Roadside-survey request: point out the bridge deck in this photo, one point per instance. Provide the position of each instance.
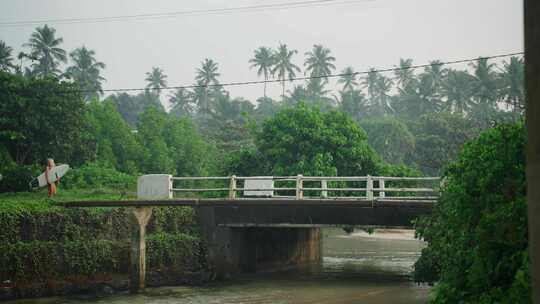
(376, 203)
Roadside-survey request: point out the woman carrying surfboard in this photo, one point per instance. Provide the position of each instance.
(50, 177)
(51, 182)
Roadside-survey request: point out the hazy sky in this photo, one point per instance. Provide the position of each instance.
(362, 34)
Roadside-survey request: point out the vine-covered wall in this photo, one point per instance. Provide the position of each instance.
(41, 241)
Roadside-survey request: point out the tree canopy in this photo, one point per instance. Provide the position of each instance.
(477, 236)
(304, 140)
(37, 122)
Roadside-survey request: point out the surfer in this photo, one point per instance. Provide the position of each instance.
(51, 185)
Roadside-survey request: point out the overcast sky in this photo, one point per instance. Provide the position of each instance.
(362, 34)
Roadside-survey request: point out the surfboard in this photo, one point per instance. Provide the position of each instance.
(54, 175)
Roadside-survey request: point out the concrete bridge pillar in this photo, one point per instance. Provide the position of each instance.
(149, 187)
(139, 219)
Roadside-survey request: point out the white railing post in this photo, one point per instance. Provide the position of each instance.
(381, 186)
(369, 188)
(299, 186)
(232, 187)
(324, 186)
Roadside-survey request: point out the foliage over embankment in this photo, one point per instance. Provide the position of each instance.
(477, 235)
(42, 241)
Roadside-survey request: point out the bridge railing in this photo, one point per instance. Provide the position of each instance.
(314, 187)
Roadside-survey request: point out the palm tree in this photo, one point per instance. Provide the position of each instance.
(436, 74)
(378, 88)
(485, 92)
(370, 83)
(316, 93)
(298, 94)
(485, 81)
(429, 87)
(5, 57)
(353, 102)
(156, 80)
(416, 100)
(459, 90)
(283, 66)
(348, 79)
(512, 84)
(181, 101)
(207, 75)
(319, 62)
(263, 60)
(383, 105)
(86, 71)
(404, 73)
(44, 47)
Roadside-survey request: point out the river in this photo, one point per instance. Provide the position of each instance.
(357, 268)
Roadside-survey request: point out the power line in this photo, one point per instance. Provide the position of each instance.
(229, 84)
(242, 83)
(199, 12)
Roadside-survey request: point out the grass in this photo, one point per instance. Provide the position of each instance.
(36, 201)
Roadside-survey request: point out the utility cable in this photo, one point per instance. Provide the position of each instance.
(253, 82)
(198, 12)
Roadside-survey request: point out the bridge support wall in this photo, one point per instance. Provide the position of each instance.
(234, 250)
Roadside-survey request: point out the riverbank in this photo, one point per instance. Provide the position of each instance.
(47, 250)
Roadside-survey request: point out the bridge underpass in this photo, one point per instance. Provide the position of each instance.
(260, 225)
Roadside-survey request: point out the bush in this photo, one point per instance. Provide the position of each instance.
(17, 178)
(95, 176)
(477, 235)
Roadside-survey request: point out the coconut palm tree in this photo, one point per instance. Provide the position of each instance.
(378, 88)
(512, 84)
(353, 102)
(86, 72)
(437, 75)
(263, 60)
(316, 93)
(383, 102)
(298, 94)
(404, 74)
(348, 79)
(207, 75)
(5, 57)
(459, 90)
(45, 49)
(485, 81)
(319, 62)
(208, 72)
(156, 80)
(182, 102)
(370, 83)
(485, 92)
(283, 66)
(417, 99)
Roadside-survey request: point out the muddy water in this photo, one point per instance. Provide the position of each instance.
(357, 268)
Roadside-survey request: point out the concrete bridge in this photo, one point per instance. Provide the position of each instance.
(266, 222)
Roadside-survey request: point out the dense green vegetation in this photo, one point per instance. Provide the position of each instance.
(43, 241)
(435, 109)
(477, 236)
(410, 122)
